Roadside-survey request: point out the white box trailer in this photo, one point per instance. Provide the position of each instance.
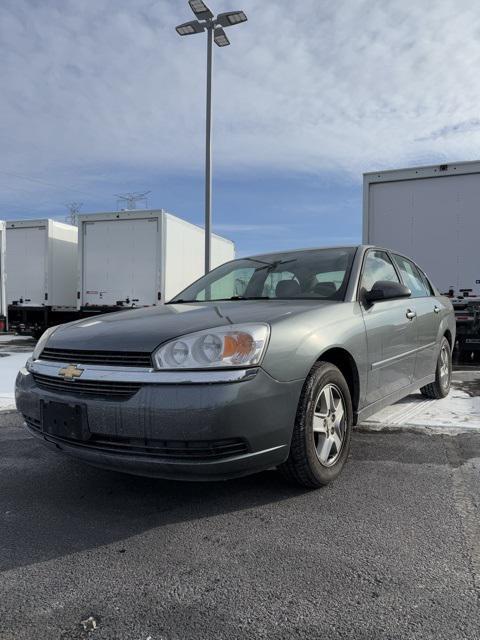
(3, 299)
(431, 214)
(41, 270)
(140, 258)
(41, 263)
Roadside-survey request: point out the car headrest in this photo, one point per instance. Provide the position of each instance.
(287, 289)
(325, 289)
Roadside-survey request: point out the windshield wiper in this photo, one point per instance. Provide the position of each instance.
(182, 301)
(271, 265)
(248, 298)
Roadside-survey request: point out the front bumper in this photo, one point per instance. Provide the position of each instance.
(162, 429)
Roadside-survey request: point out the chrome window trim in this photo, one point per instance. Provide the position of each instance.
(142, 375)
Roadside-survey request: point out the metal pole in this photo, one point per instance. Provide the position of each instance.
(208, 152)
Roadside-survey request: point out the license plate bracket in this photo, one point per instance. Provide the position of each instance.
(64, 420)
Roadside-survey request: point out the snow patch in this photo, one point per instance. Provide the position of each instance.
(459, 410)
(10, 364)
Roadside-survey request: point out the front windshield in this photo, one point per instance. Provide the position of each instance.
(318, 274)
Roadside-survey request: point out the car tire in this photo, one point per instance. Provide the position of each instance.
(323, 429)
(443, 374)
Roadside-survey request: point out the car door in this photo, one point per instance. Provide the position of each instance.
(429, 314)
(390, 328)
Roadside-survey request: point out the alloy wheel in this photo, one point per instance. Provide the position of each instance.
(329, 421)
(444, 367)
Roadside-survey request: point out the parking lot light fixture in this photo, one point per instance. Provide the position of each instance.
(189, 28)
(231, 18)
(200, 9)
(220, 37)
(206, 21)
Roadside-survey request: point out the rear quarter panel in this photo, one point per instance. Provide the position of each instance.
(447, 321)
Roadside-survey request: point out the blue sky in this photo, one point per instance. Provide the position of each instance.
(102, 97)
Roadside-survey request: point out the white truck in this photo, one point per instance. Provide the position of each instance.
(40, 265)
(3, 300)
(431, 214)
(139, 258)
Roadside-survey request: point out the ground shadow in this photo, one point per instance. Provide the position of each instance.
(52, 505)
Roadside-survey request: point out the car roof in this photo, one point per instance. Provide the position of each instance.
(304, 250)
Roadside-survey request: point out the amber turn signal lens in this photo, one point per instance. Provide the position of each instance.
(239, 345)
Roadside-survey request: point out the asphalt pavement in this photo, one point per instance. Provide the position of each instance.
(391, 550)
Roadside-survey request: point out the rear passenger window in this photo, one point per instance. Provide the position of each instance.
(378, 266)
(426, 282)
(412, 278)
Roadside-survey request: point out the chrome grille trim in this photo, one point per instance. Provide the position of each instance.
(142, 375)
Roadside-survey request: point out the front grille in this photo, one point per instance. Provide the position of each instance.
(171, 449)
(101, 388)
(116, 358)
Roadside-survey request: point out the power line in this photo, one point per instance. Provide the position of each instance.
(44, 182)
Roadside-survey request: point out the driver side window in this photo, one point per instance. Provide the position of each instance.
(377, 266)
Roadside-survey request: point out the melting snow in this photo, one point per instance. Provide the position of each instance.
(10, 363)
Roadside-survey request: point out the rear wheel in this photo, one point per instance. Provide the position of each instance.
(443, 374)
(322, 431)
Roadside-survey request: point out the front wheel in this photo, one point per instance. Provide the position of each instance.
(323, 428)
(440, 388)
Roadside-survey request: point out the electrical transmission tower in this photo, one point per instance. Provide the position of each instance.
(73, 211)
(128, 201)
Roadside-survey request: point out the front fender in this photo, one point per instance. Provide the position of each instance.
(297, 343)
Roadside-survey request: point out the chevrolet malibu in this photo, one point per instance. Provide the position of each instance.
(267, 361)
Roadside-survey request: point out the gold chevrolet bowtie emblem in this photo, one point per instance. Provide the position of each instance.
(71, 372)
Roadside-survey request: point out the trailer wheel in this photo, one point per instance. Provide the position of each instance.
(443, 374)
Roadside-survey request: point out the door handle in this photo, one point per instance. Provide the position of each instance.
(436, 309)
(411, 314)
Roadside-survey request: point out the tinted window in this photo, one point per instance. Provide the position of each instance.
(377, 266)
(320, 273)
(411, 277)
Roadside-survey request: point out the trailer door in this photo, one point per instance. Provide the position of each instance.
(434, 221)
(120, 262)
(26, 265)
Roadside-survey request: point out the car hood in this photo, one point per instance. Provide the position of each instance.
(145, 329)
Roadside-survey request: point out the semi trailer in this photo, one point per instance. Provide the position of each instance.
(430, 214)
(3, 299)
(40, 265)
(112, 261)
(139, 258)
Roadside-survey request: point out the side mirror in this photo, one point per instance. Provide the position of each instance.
(386, 290)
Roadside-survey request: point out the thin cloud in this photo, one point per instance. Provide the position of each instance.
(453, 129)
(249, 228)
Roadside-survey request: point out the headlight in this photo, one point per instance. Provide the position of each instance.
(238, 345)
(42, 342)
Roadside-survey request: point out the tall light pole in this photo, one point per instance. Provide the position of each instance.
(206, 21)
